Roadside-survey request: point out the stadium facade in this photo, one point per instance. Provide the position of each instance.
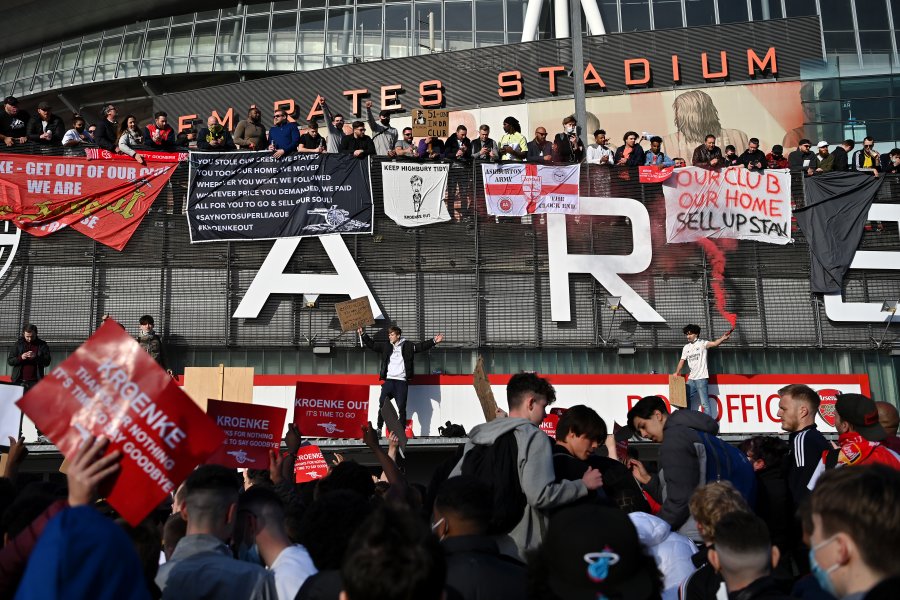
(834, 79)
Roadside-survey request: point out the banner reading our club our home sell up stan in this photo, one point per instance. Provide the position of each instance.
(104, 201)
(728, 203)
(518, 189)
(242, 196)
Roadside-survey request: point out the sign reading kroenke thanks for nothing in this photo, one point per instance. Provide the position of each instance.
(241, 196)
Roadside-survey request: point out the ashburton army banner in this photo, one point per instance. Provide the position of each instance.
(414, 192)
(241, 196)
(106, 202)
(728, 203)
(516, 189)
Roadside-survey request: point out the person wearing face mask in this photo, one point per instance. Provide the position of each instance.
(475, 567)
(77, 135)
(855, 543)
(383, 134)
(894, 165)
(567, 146)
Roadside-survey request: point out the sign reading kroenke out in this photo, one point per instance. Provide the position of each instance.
(242, 196)
(331, 410)
(110, 387)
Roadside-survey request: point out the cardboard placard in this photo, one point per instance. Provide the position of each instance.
(392, 422)
(111, 387)
(251, 430)
(203, 383)
(483, 391)
(430, 122)
(10, 414)
(677, 391)
(310, 464)
(354, 314)
(331, 410)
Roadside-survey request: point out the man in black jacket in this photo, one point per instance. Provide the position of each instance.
(396, 367)
(45, 128)
(28, 358)
(107, 136)
(753, 158)
(800, 159)
(841, 161)
(358, 145)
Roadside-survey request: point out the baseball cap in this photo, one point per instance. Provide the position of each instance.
(11, 100)
(43, 106)
(804, 142)
(861, 412)
(384, 113)
(591, 551)
(822, 144)
(777, 149)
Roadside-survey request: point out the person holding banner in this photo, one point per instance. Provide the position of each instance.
(694, 352)
(28, 358)
(396, 367)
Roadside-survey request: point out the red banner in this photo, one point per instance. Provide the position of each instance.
(309, 465)
(106, 202)
(111, 387)
(654, 174)
(103, 154)
(331, 410)
(250, 430)
(548, 425)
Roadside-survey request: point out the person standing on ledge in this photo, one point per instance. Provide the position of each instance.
(694, 352)
(396, 367)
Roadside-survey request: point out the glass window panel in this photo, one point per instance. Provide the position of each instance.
(41, 82)
(667, 14)
(312, 4)
(60, 79)
(369, 19)
(800, 8)
(865, 87)
(836, 15)
(875, 41)
(895, 11)
(458, 16)
(151, 67)
(488, 15)
(284, 34)
(635, 15)
(133, 27)
(131, 49)
(280, 62)
(176, 65)
(109, 53)
(765, 9)
(360, 2)
(334, 61)
(732, 11)
(421, 25)
(179, 41)
(489, 38)
(29, 64)
(312, 32)
(182, 19)
(232, 11)
(257, 8)
(867, 109)
(871, 15)
(609, 11)
(340, 28)
(396, 35)
(208, 15)
(229, 36)
(155, 46)
(156, 23)
(10, 67)
(308, 63)
(253, 63)
(699, 12)
(256, 35)
(48, 59)
(200, 64)
(227, 62)
(458, 40)
(285, 5)
(515, 18)
(88, 55)
(204, 39)
(67, 58)
(843, 41)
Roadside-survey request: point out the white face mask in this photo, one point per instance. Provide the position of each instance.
(570, 129)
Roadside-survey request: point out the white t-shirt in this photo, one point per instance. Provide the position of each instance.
(695, 355)
(396, 369)
(291, 569)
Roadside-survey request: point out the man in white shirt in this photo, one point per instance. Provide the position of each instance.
(694, 352)
(598, 153)
(260, 527)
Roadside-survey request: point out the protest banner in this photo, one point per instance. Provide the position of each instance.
(548, 425)
(241, 196)
(414, 192)
(728, 203)
(654, 174)
(110, 387)
(393, 425)
(427, 123)
(483, 391)
(10, 415)
(354, 314)
(309, 465)
(103, 154)
(106, 202)
(331, 410)
(516, 189)
(251, 430)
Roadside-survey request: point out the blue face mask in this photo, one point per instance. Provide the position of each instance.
(250, 554)
(822, 575)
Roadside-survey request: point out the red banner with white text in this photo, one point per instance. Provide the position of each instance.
(111, 387)
(331, 410)
(151, 155)
(251, 430)
(106, 202)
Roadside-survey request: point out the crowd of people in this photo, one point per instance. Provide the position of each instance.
(514, 514)
(285, 136)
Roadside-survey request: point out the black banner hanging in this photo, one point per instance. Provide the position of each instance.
(242, 196)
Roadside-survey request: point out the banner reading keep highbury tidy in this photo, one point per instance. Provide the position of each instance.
(241, 196)
(414, 192)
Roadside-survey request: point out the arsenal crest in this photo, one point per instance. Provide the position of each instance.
(826, 405)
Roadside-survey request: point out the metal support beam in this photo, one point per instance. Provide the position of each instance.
(532, 20)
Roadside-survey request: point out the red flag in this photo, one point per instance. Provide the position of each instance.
(251, 430)
(111, 387)
(106, 202)
(331, 410)
(309, 465)
(102, 154)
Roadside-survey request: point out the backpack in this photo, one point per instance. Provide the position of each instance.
(497, 465)
(725, 462)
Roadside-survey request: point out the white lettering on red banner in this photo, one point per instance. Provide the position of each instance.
(331, 410)
(251, 431)
(309, 465)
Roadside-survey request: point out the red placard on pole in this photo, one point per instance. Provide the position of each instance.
(331, 410)
(111, 387)
(251, 430)
(310, 464)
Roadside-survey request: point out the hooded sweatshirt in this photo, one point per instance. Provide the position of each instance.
(682, 467)
(672, 551)
(536, 475)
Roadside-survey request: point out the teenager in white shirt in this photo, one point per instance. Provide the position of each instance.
(694, 352)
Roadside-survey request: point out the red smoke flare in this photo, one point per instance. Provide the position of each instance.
(717, 260)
